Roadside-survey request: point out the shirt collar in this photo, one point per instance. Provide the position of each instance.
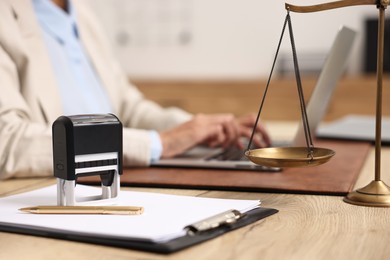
(55, 21)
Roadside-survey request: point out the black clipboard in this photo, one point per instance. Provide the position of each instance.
(192, 238)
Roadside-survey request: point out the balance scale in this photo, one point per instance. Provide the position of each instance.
(376, 193)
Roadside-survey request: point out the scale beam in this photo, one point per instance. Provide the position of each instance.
(334, 5)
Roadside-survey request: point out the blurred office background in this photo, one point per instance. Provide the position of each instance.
(223, 39)
(212, 56)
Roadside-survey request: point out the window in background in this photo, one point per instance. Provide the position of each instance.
(148, 23)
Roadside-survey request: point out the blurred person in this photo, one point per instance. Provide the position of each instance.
(54, 60)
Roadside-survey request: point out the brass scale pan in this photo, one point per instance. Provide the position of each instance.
(289, 156)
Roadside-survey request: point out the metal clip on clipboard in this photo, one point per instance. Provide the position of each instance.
(85, 145)
(224, 218)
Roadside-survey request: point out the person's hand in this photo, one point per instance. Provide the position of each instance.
(218, 130)
(212, 130)
(246, 124)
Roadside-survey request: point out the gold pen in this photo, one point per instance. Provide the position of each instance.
(113, 210)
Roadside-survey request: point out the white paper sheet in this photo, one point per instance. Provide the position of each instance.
(163, 219)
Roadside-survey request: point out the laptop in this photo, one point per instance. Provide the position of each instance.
(234, 159)
(356, 128)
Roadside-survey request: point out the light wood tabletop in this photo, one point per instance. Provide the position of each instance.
(306, 227)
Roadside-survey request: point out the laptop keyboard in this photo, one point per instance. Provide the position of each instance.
(230, 154)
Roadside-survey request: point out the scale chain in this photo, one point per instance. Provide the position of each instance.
(305, 122)
(267, 86)
(309, 142)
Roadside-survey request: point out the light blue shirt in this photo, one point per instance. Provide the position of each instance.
(80, 88)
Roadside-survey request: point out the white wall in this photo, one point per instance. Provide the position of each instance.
(230, 39)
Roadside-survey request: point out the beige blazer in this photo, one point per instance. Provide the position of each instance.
(30, 102)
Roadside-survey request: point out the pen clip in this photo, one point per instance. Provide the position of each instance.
(224, 218)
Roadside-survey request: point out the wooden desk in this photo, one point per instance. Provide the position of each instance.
(307, 227)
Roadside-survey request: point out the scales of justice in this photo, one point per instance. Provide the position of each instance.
(376, 193)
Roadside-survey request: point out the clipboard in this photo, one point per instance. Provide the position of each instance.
(153, 231)
(174, 245)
